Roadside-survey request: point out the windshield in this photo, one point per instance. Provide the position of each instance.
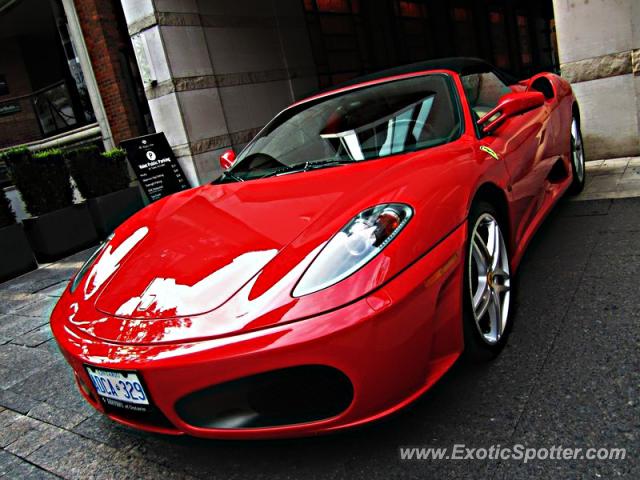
(362, 124)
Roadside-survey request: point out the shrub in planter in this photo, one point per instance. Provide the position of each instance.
(98, 173)
(42, 178)
(103, 179)
(57, 227)
(7, 217)
(16, 256)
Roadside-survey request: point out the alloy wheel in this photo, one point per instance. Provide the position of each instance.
(577, 150)
(489, 279)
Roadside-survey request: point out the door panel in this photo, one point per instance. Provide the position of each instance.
(519, 144)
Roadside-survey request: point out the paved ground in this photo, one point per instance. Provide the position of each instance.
(613, 178)
(570, 376)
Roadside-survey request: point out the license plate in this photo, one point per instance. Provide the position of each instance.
(119, 389)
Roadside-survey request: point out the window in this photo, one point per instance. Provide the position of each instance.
(414, 33)
(545, 35)
(499, 40)
(361, 124)
(336, 6)
(464, 32)
(411, 9)
(483, 91)
(524, 39)
(337, 39)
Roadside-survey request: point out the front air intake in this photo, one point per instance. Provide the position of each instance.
(276, 398)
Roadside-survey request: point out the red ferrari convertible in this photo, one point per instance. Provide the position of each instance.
(340, 265)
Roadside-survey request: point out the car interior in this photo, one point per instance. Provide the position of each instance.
(483, 91)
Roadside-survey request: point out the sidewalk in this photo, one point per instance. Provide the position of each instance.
(612, 178)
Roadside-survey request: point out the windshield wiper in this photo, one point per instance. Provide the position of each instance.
(232, 176)
(305, 167)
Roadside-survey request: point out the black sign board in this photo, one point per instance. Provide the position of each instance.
(155, 165)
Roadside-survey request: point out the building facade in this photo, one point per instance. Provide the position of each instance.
(599, 48)
(210, 74)
(215, 72)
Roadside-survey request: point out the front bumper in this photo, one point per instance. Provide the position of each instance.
(392, 346)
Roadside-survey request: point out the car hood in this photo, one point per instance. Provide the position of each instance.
(189, 253)
(221, 260)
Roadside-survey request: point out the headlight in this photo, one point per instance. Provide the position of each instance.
(353, 246)
(85, 267)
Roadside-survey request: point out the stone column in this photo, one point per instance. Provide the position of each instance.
(216, 72)
(599, 50)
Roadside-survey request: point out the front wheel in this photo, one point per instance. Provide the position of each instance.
(577, 158)
(487, 285)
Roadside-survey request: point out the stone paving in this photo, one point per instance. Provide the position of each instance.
(569, 376)
(612, 178)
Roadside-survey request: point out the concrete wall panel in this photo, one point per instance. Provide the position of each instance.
(168, 119)
(178, 6)
(134, 10)
(609, 121)
(593, 28)
(187, 51)
(203, 115)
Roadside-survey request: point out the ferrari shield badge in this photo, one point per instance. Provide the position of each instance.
(490, 151)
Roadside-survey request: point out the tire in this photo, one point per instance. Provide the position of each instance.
(577, 158)
(485, 334)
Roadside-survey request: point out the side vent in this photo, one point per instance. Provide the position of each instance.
(558, 172)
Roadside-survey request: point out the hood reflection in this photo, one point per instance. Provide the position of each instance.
(164, 295)
(109, 262)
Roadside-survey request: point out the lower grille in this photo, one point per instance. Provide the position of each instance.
(280, 397)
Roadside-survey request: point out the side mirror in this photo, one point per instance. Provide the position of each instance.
(510, 105)
(227, 159)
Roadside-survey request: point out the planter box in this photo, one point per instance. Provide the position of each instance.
(61, 232)
(109, 211)
(16, 256)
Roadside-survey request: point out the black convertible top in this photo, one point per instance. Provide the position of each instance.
(460, 65)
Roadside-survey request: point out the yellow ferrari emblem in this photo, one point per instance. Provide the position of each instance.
(490, 151)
